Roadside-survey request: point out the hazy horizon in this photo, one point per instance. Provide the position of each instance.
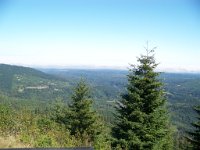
(119, 68)
(100, 34)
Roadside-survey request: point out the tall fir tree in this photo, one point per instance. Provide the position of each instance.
(142, 119)
(195, 140)
(84, 122)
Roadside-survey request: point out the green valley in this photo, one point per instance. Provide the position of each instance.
(36, 89)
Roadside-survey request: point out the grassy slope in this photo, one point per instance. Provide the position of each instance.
(11, 142)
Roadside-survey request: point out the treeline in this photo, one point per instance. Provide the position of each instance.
(141, 122)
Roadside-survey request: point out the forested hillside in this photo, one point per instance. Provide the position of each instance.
(28, 83)
(183, 89)
(30, 87)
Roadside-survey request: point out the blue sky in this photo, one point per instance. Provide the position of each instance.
(100, 33)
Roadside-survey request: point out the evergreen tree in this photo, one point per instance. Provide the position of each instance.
(196, 134)
(83, 120)
(142, 119)
(60, 112)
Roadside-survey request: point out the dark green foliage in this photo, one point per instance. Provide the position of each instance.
(195, 135)
(60, 112)
(181, 142)
(83, 120)
(142, 122)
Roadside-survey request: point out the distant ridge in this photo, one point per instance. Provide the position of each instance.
(15, 69)
(26, 82)
(19, 69)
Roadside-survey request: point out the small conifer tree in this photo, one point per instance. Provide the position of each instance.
(142, 119)
(83, 120)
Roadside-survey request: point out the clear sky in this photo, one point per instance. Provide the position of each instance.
(100, 33)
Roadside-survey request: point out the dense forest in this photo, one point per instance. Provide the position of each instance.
(37, 105)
